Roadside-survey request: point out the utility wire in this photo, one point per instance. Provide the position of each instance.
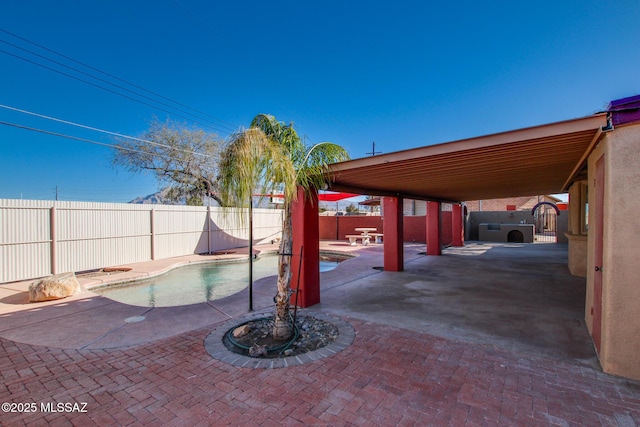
(101, 87)
(146, 141)
(105, 88)
(77, 138)
(229, 125)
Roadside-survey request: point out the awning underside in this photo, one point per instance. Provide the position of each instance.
(526, 162)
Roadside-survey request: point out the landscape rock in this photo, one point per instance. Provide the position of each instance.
(241, 331)
(258, 350)
(55, 287)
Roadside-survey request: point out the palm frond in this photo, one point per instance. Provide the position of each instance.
(312, 172)
(252, 162)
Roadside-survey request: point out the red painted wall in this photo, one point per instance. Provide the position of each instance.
(415, 227)
(336, 227)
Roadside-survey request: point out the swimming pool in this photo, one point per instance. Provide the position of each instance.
(197, 283)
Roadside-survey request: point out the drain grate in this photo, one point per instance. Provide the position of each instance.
(134, 319)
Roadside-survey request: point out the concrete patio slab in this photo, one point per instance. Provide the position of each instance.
(157, 323)
(72, 324)
(517, 296)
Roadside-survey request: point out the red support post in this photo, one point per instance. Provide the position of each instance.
(433, 229)
(305, 224)
(457, 227)
(392, 226)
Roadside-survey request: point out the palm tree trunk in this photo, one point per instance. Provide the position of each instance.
(282, 329)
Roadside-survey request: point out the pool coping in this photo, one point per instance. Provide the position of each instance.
(217, 350)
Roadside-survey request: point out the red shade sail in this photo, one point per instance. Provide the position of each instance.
(334, 197)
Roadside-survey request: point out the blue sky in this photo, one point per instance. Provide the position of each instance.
(403, 74)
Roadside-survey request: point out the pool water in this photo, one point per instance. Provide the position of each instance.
(197, 283)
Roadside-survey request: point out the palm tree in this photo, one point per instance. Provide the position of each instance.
(270, 156)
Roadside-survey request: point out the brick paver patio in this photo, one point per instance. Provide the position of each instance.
(388, 376)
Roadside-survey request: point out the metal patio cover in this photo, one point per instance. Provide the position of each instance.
(525, 162)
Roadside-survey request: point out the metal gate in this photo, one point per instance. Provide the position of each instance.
(545, 220)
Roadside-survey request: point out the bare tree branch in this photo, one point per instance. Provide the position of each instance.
(185, 160)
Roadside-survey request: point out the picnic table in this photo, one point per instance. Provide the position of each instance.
(365, 235)
(365, 230)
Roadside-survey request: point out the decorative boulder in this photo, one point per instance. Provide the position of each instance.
(55, 287)
(241, 331)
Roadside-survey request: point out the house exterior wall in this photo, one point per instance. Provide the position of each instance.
(520, 203)
(575, 234)
(620, 342)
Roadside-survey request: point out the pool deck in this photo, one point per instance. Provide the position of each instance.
(102, 323)
(479, 336)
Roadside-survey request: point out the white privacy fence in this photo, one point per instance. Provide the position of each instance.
(39, 238)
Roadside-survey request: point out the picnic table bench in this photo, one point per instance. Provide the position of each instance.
(377, 236)
(353, 238)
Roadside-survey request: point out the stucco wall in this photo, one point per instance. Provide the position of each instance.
(620, 343)
(577, 262)
(577, 240)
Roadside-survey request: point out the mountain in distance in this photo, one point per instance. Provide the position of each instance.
(157, 198)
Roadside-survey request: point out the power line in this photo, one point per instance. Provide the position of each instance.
(221, 128)
(104, 88)
(96, 85)
(230, 125)
(102, 130)
(77, 138)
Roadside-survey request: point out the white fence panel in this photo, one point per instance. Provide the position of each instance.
(179, 230)
(267, 225)
(25, 241)
(82, 255)
(229, 228)
(38, 238)
(88, 236)
(24, 261)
